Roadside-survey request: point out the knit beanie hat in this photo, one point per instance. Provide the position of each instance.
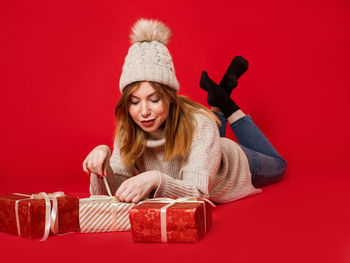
(148, 58)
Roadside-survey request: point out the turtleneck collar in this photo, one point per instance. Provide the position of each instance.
(156, 139)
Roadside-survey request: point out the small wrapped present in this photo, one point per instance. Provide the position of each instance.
(102, 213)
(185, 219)
(38, 215)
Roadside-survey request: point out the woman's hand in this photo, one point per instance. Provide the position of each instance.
(97, 161)
(138, 187)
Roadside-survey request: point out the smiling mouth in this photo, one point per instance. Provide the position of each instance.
(148, 123)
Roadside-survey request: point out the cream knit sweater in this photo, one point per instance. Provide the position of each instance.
(215, 168)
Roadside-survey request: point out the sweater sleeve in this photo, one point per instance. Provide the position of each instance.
(200, 166)
(117, 174)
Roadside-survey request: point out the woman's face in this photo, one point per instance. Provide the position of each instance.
(147, 109)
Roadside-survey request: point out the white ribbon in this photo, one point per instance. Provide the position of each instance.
(51, 220)
(107, 186)
(100, 197)
(172, 202)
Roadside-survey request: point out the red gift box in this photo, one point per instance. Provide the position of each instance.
(171, 220)
(34, 215)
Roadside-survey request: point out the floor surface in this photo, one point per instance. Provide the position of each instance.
(292, 221)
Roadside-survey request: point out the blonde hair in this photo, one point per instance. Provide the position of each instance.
(179, 127)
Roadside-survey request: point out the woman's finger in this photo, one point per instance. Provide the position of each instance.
(99, 162)
(96, 165)
(131, 196)
(121, 188)
(136, 199)
(122, 193)
(88, 164)
(105, 165)
(125, 193)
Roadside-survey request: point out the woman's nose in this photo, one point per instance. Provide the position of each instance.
(145, 110)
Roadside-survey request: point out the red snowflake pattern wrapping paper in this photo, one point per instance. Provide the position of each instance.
(29, 221)
(185, 221)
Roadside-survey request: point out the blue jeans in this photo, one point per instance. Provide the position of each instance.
(265, 163)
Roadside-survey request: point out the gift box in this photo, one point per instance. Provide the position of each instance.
(38, 215)
(102, 213)
(171, 220)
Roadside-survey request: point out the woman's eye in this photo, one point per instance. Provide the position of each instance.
(134, 102)
(155, 100)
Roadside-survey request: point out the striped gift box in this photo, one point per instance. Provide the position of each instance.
(103, 214)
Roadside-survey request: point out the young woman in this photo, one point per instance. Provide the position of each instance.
(168, 145)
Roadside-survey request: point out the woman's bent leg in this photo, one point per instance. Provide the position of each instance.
(266, 164)
(265, 169)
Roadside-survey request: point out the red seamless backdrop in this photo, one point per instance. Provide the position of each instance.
(59, 72)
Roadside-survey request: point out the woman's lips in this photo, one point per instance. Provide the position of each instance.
(148, 123)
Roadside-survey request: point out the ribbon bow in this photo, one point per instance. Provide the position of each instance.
(102, 197)
(51, 220)
(171, 202)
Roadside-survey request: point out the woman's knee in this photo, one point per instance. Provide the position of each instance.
(270, 171)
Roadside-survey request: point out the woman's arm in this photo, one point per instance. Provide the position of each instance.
(115, 172)
(199, 169)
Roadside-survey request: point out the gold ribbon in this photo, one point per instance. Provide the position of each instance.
(163, 227)
(51, 220)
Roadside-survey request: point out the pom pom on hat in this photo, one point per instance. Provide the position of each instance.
(148, 58)
(150, 30)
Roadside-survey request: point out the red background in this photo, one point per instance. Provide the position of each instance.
(59, 74)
